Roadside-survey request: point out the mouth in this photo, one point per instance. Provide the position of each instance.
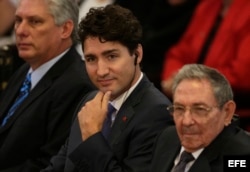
(23, 45)
(188, 133)
(105, 82)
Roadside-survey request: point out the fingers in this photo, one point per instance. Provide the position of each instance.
(93, 113)
(102, 98)
(106, 99)
(99, 96)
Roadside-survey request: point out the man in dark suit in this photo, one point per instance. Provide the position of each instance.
(111, 44)
(203, 111)
(41, 123)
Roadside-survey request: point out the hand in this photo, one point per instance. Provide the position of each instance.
(93, 114)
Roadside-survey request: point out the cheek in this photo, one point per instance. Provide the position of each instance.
(122, 77)
(207, 135)
(198, 135)
(211, 129)
(49, 32)
(91, 71)
(124, 71)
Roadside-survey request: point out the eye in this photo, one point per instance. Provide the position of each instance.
(34, 21)
(111, 56)
(179, 109)
(200, 110)
(89, 59)
(18, 20)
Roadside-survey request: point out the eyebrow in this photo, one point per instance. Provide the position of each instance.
(17, 16)
(109, 51)
(103, 53)
(193, 104)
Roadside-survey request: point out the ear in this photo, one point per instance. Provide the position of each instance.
(67, 29)
(139, 54)
(229, 109)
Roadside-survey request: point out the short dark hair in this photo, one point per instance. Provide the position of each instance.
(111, 23)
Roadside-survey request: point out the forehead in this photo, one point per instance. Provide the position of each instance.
(92, 45)
(32, 8)
(193, 90)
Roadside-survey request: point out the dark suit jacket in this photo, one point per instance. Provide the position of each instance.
(232, 141)
(129, 148)
(42, 123)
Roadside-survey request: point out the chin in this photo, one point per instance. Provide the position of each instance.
(104, 89)
(191, 144)
(25, 54)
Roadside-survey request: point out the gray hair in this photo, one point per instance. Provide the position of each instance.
(63, 10)
(220, 85)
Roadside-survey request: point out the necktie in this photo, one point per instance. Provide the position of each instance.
(185, 158)
(23, 93)
(108, 121)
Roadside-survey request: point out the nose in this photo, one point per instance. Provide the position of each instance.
(21, 28)
(102, 68)
(187, 118)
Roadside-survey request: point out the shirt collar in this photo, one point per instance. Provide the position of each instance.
(195, 153)
(37, 74)
(117, 103)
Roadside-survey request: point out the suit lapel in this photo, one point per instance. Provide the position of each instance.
(213, 153)
(123, 118)
(33, 95)
(126, 112)
(12, 92)
(45, 83)
(168, 158)
(12, 95)
(201, 164)
(169, 149)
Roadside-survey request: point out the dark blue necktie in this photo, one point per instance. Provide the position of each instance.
(185, 158)
(108, 121)
(23, 93)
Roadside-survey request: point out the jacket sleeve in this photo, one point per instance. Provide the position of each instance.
(57, 162)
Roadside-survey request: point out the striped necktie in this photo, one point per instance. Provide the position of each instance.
(23, 93)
